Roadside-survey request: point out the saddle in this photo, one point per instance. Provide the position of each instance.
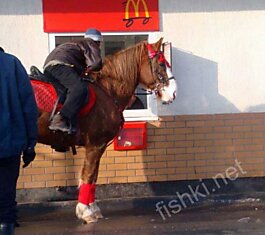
(50, 94)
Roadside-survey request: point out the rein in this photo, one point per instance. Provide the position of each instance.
(157, 88)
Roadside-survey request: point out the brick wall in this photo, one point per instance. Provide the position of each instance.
(179, 148)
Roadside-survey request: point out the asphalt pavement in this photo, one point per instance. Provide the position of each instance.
(148, 216)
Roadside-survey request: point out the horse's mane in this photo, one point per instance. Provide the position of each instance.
(120, 70)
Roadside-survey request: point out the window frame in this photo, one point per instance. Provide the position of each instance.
(151, 112)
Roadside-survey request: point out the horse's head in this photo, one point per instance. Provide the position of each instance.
(156, 74)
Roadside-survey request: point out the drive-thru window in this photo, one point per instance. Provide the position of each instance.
(138, 20)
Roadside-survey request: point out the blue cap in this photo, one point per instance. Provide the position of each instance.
(94, 34)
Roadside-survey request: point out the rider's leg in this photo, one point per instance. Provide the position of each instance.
(77, 94)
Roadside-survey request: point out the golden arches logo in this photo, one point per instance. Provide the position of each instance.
(135, 4)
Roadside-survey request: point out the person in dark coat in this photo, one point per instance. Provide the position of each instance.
(67, 64)
(18, 133)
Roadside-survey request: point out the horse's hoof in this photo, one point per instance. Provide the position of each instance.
(96, 211)
(90, 219)
(98, 215)
(85, 213)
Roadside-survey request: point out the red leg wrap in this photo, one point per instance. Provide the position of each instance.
(93, 193)
(87, 193)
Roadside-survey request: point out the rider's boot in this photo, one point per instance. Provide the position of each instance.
(60, 123)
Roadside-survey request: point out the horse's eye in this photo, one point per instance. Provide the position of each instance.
(163, 65)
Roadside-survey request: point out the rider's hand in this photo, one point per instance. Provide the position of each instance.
(28, 156)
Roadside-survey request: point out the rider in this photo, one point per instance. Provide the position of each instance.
(67, 63)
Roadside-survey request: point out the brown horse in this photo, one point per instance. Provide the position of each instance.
(114, 85)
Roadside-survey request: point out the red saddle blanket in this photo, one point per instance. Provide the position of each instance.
(46, 96)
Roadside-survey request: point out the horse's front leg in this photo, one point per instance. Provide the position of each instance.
(87, 208)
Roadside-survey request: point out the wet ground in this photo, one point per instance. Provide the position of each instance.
(246, 218)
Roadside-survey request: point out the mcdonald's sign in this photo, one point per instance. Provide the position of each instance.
(136, 4)
(107, 16)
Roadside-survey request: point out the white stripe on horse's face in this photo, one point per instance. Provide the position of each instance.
(169, 92)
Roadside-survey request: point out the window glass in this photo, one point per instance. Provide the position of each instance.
(112, 47)
(111, 43)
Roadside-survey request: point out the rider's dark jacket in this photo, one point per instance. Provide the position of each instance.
(83, 55)
(18, 117)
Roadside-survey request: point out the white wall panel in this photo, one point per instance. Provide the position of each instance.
(22, 31)
(218, 54)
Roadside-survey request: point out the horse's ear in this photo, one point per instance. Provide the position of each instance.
(158, 44)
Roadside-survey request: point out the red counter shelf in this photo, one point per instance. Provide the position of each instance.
(131, 137)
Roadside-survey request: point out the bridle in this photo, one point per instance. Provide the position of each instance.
(162, 80)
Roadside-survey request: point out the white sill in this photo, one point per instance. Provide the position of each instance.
(131, 119)
(139, 115)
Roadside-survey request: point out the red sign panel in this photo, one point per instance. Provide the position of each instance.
(105, 15)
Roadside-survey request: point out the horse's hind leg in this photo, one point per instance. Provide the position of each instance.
(87, 208)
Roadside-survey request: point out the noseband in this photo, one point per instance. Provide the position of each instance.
(162, 60)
